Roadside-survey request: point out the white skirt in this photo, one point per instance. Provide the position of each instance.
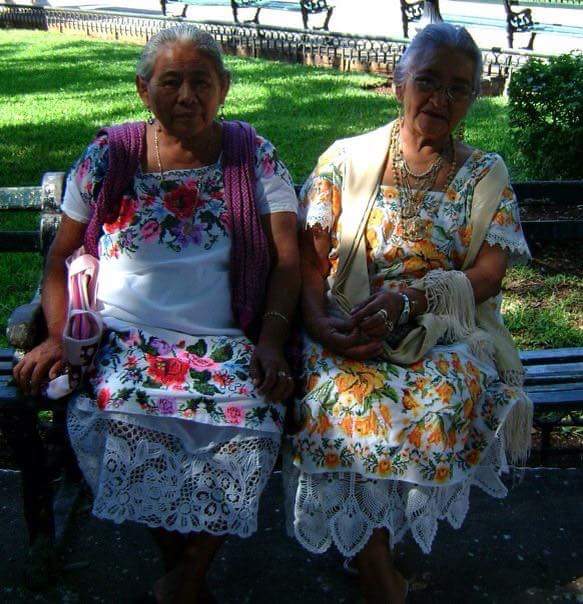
(343, 508)
(172, 473)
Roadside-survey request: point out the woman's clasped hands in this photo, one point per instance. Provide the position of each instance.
(361, 335)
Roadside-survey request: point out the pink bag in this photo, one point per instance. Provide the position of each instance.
(84, 326)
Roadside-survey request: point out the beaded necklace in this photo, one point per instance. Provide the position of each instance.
(411, 198)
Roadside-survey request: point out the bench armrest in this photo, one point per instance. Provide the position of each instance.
(26, 326)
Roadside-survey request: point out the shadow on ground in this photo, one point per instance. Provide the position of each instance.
(526, 548)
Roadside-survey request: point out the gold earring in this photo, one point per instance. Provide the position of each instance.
(222, 112)
(151, 118)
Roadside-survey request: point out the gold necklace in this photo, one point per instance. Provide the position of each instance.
(157, 148)
(413, 226)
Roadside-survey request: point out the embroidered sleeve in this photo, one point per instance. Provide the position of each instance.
(506, 230)
(84, 180)
(274, 187)
(321, 193)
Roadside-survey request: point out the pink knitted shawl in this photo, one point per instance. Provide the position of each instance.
(250, 261)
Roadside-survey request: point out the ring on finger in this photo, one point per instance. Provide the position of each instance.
(389, 325)
(384, 314)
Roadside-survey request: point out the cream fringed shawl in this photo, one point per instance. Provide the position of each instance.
(452, 314)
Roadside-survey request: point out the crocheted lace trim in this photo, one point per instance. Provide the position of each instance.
(344, 508)
(148, 477)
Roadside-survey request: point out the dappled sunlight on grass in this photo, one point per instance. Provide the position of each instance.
(58, 90)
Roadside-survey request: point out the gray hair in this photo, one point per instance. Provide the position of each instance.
(201, 40)
(439, 35)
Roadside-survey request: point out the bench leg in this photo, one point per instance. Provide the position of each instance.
(405, 25)
(163, 6)
(328, 17)
(530, 44)
(21, 431)
(510, 36)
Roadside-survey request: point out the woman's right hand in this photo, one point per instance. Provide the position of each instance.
(342, 337)
(44, 362)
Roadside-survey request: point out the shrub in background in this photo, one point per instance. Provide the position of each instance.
(546, 117)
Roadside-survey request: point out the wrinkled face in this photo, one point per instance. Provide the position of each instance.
(437, 76)
(185, 90)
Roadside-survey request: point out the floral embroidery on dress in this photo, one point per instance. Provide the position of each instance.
(191, 379)
(177, 212)
(430, 422)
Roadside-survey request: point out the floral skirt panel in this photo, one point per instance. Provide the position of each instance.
(156, 479)
(202, 379)
(382, 445)
(428, 423)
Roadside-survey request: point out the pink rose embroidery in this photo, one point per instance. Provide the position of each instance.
(201, 363)
(150, 231)
(268, 166)
(234, 415)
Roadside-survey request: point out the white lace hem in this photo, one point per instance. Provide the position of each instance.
(518, 252)
(148, 477)
(344, 508)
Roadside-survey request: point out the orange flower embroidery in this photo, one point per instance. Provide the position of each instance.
(444, 391)
(331, 460)
(442, 474)
(385, 466)
(358, 379)
(386, 415)
(324, 424)
(473, 457)
(365, 426)
(410, 402)
(443, 366)
(414, 437)
(346, 425)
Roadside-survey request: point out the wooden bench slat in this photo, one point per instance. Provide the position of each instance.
(19, 241)
(555, 387)
(564, 369)
(558, 398)
(20, 198)
(5, 367)
(556, 355)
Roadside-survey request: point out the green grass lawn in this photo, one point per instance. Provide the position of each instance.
(58, 90)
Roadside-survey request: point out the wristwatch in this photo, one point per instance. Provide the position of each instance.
(406, 312)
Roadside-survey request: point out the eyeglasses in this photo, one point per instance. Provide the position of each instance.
(456, 93)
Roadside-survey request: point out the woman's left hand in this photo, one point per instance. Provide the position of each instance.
(378, 316)
(270, 373)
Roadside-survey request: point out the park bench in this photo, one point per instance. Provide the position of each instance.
(50, 478)
(410, 12)
(305, 7)
(516, 21)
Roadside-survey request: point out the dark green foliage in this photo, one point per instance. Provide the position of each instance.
(546, 117)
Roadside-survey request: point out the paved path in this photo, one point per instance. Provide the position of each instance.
(526, 549)
(376, 17)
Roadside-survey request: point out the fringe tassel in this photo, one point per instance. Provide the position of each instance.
(517, 431)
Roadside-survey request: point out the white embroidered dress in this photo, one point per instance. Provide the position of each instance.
(383, 445)
(170, 431)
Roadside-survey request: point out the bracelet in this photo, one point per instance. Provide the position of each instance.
(406, 312)
(275, 313)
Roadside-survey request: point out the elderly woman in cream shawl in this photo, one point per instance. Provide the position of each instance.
(413, 385)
